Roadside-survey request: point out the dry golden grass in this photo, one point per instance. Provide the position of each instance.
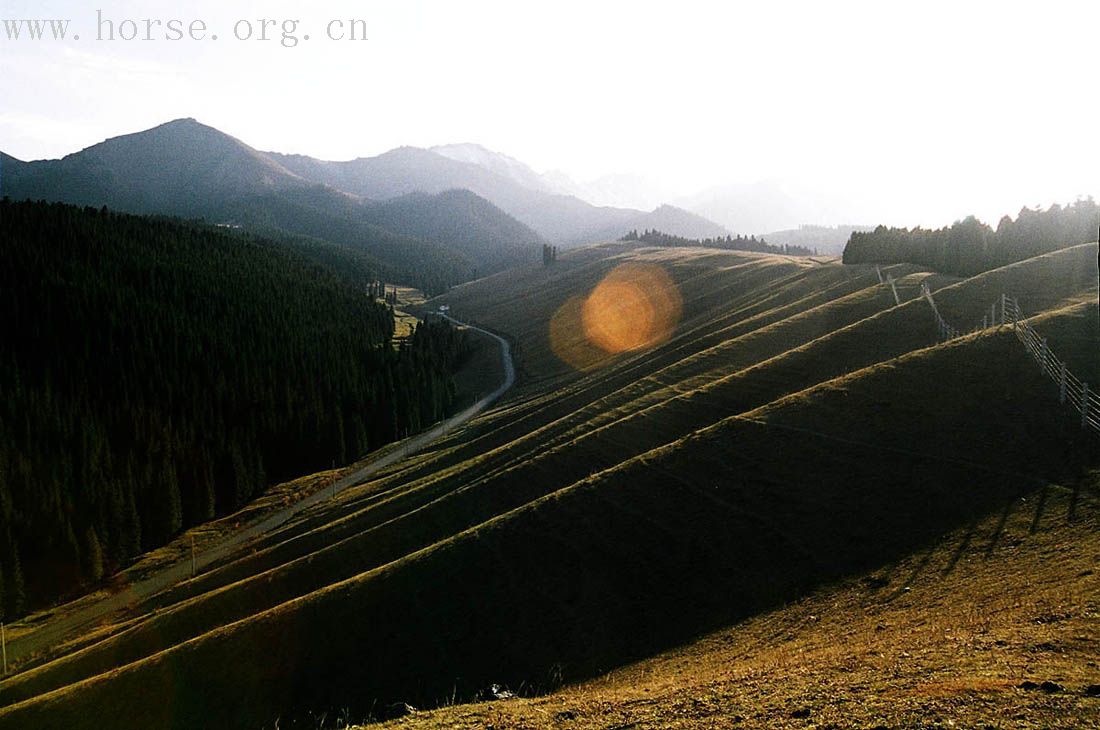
(945, 638)
(277, 497)
(741, 462)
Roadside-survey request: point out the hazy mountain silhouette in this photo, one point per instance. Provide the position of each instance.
(826, 239)
(501, 164)
(410, 170)
(507, 183)
(182, 167)
(623, 190)
(190, 169)
(768, 205)
(685, 223)
(401, 206)
(447, 216)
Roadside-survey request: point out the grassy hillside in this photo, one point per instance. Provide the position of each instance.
(965, 632)
(791, 431)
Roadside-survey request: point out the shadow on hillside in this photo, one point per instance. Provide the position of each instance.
(737, 519)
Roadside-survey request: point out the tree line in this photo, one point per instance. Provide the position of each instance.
(158, 373)
(549, 254)
(969, 246)
(729, 243)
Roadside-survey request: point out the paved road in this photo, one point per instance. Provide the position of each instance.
(55, 631)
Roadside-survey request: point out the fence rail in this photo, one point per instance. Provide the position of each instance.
(1071, 389)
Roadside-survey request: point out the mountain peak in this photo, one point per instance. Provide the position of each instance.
(180, 167)
(495, 162)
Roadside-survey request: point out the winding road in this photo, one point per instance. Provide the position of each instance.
(52, 632)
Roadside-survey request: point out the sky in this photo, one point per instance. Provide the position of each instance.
(908, 112)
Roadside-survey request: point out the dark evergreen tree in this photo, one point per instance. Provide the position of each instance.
(969, 247)
(156, 373)
(729, 243)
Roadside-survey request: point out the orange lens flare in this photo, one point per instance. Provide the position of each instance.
(635, 307)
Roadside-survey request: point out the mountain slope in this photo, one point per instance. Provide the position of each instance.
(888, 649)
(500, 164)
(506, 183)
(670, 218)
(409, 170)
(693, 535)
(473, 227)
(606, 514)
(180, 168)
(143, 341)
(189, 169)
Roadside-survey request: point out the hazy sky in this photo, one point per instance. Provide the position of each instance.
(915, 112)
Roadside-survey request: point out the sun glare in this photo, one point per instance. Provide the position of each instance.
(635, 307)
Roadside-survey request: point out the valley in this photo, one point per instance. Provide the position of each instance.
(609, 366)
(784, 436)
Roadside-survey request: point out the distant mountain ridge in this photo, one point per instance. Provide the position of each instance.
(829, 240)
(188, 169)
(181, 167)
(767, 205)
(401, 207)
(501, 164)
(509, 184)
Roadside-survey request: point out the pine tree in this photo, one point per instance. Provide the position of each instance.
(92, 555)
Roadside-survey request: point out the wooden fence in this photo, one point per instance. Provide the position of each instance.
(1071, 389)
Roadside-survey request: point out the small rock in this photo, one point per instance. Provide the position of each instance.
(1093, 690)
(1051, 687)
(565, 716)
(874, 582)
(494, 692)
(396, 710)
(1028, 685)
(801, 714)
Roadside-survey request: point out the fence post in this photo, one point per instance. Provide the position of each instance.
(1062, 384)
(1043, 350)
(894, 289)
(1015, 313)
(985, 322)
(1004, 308)
(1084, 405)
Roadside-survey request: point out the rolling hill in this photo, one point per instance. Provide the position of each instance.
(731, 432)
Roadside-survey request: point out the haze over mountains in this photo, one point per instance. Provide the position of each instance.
(185, 168)
(431, 217)
(510, 185)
